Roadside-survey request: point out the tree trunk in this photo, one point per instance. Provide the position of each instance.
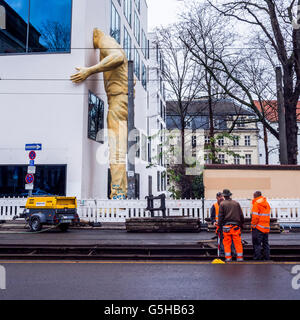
(290, 102)
(266, 144)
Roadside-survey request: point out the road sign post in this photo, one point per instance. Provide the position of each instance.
(29, 179)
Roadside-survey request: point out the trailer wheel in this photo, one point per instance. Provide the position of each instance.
(35, 224)
(64, 227)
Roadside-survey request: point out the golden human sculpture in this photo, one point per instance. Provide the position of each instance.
(114, 64)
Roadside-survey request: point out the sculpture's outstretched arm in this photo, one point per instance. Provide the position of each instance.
(110, 62)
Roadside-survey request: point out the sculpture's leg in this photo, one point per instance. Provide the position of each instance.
(118, 139)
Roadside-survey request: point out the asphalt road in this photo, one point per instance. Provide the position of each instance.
(122, 237)
(147, 281)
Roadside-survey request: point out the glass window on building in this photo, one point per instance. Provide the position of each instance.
(221, 142)
(144, 76)
(221, 158)
(127, 4)
(138, 146)
(36, 26)
(248, 141)
(248, 158)
(194, 141)
(137, 28)
(95, 118)
(137, 63)
(48, 180)
(207, 140)
(236, 159)
(207, 159)
(115, 29)
(241, 122)
(144, 44)
(158, 181)
(127, 44)
(236, 141)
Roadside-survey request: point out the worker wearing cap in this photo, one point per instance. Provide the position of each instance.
(231, 220)
(260, 225)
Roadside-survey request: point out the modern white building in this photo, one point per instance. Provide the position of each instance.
(39, 104)
(156, 119)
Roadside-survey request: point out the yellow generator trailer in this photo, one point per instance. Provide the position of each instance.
(51, 210)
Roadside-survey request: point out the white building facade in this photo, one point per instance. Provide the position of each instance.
(39, 104)
(157, 178)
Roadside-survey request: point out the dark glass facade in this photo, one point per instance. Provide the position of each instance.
(48, 180)
(36, 26)
(96, 117)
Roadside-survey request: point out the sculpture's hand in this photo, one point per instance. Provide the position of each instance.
(80, 76)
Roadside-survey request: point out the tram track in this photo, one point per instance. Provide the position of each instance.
(194, 252)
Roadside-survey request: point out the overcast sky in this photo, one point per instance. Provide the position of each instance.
(162, 12)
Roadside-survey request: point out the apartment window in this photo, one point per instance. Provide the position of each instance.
(95, 117)
(236, 141)
(222, 158)
(128, 10)
(158, 181)
(236, 159)
(207, 159)
(194, 141)
(137, 28)
(207, 140)
(144, 76)
(144, 44)
(221, 142)
(137, 63)
(248, 158)
(127, 44)
(248, 141)
(115, 29)
(46, 29)
(241, 122)
(138, 146)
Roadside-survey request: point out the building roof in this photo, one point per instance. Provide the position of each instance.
(200, 107)
(270, 110)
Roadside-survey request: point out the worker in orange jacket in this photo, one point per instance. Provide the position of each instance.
(260, 225)
(214, 216)
(214, 211)
(231, 220)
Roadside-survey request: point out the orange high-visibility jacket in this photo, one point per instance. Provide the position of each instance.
(261, 214)
(217, 207)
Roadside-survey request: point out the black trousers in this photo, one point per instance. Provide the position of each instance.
(261, 246)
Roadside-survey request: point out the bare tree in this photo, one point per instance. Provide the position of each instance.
(277, 21)
(55, 35)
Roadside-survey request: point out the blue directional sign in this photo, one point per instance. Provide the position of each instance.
(31, 162)
(33, 147)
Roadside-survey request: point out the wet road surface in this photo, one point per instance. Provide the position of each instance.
(147, 281)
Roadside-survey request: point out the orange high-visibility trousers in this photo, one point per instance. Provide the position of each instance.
(232, 233)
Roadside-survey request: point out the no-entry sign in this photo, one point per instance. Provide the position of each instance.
(29, 178)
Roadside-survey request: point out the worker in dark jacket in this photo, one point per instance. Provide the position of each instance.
(231, 220)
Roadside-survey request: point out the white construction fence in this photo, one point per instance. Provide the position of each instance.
(285, 210)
